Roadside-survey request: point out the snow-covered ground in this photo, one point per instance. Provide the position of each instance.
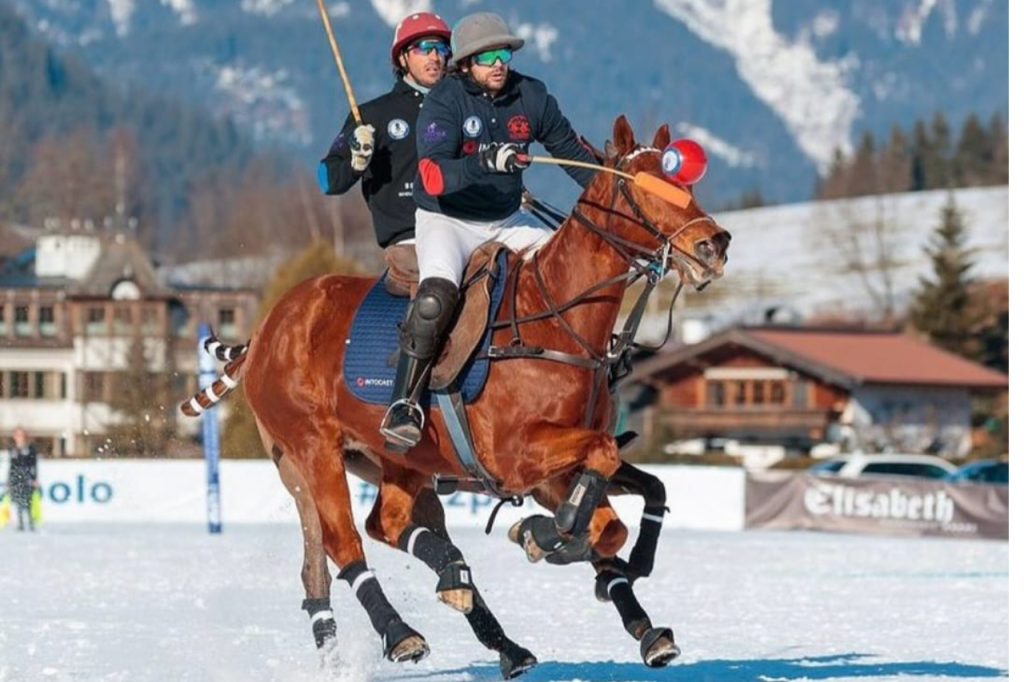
(147, 602)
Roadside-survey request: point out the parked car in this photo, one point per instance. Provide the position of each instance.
(890, 464)
(983, 471)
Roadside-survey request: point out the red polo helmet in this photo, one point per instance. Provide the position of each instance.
(416, 26)
(684, 162)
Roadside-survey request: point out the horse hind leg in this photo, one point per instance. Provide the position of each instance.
(322, 469)
(415, 524)
(316, 578)
(657, 644)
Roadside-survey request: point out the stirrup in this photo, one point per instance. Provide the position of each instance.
(394, 437)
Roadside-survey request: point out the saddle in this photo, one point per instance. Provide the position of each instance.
(474, 303)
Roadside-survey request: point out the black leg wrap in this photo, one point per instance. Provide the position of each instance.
(370, 595)
(515, 660)
(429, 548)
(641, 557)
(325, 628)
(616, 587)
(485, 626)
(573, 516)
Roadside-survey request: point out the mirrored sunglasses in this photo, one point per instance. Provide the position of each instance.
(427, 46)
(491, 57)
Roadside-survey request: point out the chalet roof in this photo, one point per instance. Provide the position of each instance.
(841, 357)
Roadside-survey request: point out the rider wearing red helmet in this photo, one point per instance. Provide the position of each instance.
(381, 152)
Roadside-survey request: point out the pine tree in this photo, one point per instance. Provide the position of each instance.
(894, 163)
(973, 160)
(241, 439)
(999, 142)
(943, 307)
(938, 171)
(921, 155)
(864, 169)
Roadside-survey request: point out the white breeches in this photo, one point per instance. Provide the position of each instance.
(443, 244)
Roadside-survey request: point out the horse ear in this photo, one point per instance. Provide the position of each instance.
(661, 138)
(592, 149)
(611, 154)
(622, 135)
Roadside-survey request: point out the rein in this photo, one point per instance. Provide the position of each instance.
(642, 262)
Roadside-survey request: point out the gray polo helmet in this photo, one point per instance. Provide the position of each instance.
(480, 32)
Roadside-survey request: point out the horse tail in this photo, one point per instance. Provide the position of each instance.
(225, 383)
(213, 346)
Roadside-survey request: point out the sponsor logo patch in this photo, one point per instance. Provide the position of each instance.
(472, 126)
(434, 133)
(470, 147)
(398, 129)
(519, 127)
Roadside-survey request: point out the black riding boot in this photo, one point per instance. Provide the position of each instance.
(403, 423)
(427, 321)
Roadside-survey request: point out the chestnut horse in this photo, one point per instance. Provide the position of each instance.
(539, 427)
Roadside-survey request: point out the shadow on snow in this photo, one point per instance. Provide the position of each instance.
(750, 670)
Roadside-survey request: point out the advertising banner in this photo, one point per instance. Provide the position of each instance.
(884, 505)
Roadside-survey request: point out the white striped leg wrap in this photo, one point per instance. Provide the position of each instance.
(228, 381)
(411, 542)
(194, 404)
(362, 578)
(326, 614)
(616, 581)
(211, 394)
(652, 517)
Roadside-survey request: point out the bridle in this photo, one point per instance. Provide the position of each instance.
(633, 252)
(642, 261)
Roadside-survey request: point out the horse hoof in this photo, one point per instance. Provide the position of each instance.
(524, 538)
(460, 600)
(658, 647)
(515, 660)
(402, 643)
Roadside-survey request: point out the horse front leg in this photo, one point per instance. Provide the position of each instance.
(631, 480)
(409, 517)
(569, 535)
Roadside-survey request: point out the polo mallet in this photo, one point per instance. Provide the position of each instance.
(677, 196)
(341, 67)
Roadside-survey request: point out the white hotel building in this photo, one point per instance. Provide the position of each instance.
(70, 308)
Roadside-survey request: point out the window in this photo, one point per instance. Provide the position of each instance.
(93, 389)
(63, 385)
(757, 392)
(122, 320)
(741, 392)
(777, 392)
(3, 321)
(96, 320)
(47, 321)
(716, 394)
(39, 384)
(150, 321)
(19, 385)
(22, 327)
(905, 469)
(226, 327)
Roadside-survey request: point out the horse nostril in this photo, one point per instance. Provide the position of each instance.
(706, 250)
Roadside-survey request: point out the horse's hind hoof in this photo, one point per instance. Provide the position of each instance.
(402, 643)
(658, 647)
(515, 660)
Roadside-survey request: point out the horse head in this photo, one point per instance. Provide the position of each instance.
(649, 227)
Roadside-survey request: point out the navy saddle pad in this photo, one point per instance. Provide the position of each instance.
(373, 342)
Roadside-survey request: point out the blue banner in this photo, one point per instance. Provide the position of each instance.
(211, 435)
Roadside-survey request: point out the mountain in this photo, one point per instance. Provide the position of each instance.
(770, 88)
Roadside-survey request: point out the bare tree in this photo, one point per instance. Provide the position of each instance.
(861, 237)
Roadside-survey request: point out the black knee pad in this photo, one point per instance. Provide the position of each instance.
(429, 317)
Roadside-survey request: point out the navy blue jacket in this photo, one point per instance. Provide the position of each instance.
(387, 181)
(459, 118)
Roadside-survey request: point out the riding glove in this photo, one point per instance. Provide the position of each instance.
(361, 143)
(504, 158)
